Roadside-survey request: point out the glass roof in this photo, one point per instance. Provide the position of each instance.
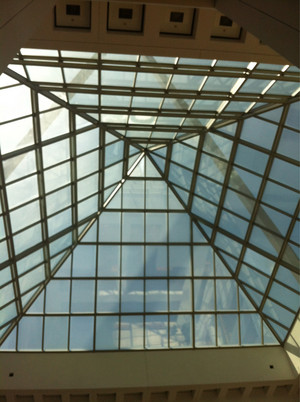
(147, 202)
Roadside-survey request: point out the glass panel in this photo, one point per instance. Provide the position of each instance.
(117, 78)
(259, 132)
(203, 261)
(204, 295)
(32, 278)
(59, 222)
(25, 216)
(205, 330)
(226, 290)
(19, 166)
(217, 83)
(56, 333)
(180, 176)
(289, 144)
(54, 123)
(22, 191)
(113, 174)
(156, 335)
(156, 194)
(278, 313)
(228, 245)
(245, 182)
(239, 204)
(109, 261)
(30, 261)
(132, 332)
(156, 227)
(114, 153)
(180, 294)
(285, 173)
(58, 296)
(132, 261)
(233, 224)
(288, 277)
(280, 197)
(8, 96)
(179, 228)
(30, 333)
(156, 293)
(58, 200)
(183, 155)
(266, 241)
(107, 333)
(251, 329)
(87, 141)
(8, 313)
(284, 296)
(28, 238)
(132, 296)
(208, 189)
(110, 227)
(57, 177)
(212, 167)
(228, 329)
(83, 296)
(259, 261)
(273, 220)
(185, 82)
(108, 296)
(55, 153)
(84, 260)
(181, 334)
(81, 76)
(87, 164)
(179, 261)
(253, 278)
(133, 194)
(217, 145)
(60, 244)
(88, 186)
(156, 261)
(132, 227)
(251, 159)
(45, 74)
(81, 333)
(7, 294)
(204, 209)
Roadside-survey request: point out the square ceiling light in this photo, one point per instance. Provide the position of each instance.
(177, 21)
(125, 17)
(225, 28)
(73, 14)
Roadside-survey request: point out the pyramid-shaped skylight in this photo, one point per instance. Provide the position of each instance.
(147, 202)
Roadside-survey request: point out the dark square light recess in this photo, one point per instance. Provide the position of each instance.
(225, 21)
(125, 13)
(72, 9)
(176, 16)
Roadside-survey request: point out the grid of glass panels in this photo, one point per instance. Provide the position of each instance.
(245, 188)
(157, 97)
(143, 277)
(56, 170)
(238, 179)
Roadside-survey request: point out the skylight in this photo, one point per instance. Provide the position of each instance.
(147, 203)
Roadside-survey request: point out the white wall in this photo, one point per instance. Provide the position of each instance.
(143, 368)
